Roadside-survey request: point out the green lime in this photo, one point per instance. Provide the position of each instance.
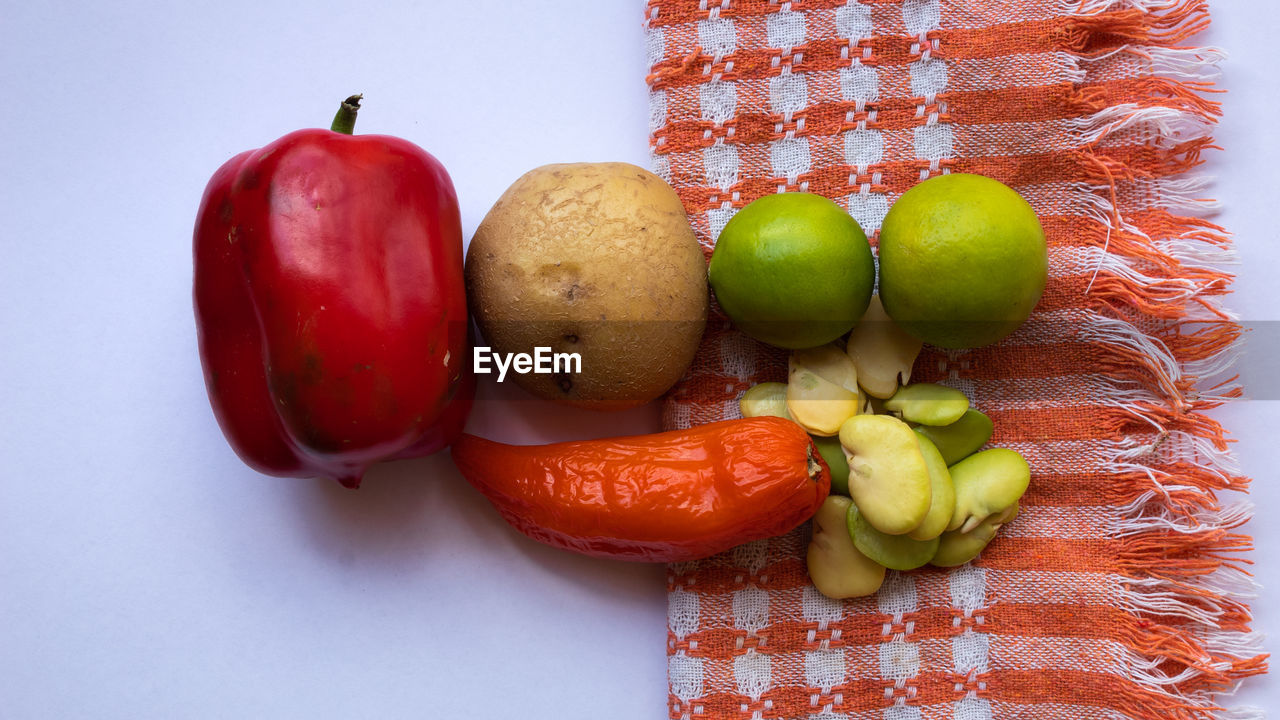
(793, 270)
(963, 261)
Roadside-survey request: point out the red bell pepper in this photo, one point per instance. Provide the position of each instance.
(329, 301)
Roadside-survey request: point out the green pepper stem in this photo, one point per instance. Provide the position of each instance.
(345, 121)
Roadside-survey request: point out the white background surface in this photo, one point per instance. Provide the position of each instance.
(145, 572)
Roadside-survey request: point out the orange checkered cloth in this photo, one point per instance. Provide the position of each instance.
(1118, 591)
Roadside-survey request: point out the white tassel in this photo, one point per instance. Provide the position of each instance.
(1213, 313)
(1218, 364)
(1181, 193)
(1096, 202)
(1174, 288)
(1194, 64)
(1173, 603)
(1202, 521)
(1200, 450)
(1165, 126)
(1097, 7)
(1241, 712)
(1119, 333)
(1174, 446)
(1148, 672)
(1185, 64)
(1198, 253)
(1234, 644)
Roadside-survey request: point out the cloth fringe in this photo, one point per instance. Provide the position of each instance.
(1181, 560)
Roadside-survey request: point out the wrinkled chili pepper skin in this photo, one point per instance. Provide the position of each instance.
(666, 497)
(329, 301)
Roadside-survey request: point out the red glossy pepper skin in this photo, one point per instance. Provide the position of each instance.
(330, 307)
(666, 497)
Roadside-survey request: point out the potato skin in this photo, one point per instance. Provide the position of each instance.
(596, 259)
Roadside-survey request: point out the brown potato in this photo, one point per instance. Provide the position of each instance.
(596, 259)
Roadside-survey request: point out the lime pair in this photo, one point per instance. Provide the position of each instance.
(963, 262)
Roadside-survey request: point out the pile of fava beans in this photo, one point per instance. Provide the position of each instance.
(910, 481)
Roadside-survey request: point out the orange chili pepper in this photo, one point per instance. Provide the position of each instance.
(665, 497)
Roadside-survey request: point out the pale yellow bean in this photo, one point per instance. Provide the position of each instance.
(882, 352)
(836, 567)
(888, 478)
